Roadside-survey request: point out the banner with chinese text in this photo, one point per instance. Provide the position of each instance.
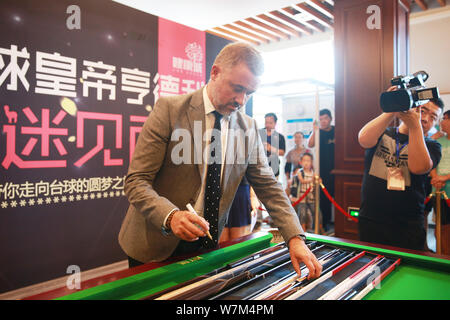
(77, 81)
(181, 63)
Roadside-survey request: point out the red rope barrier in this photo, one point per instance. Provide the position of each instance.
(336, 205)
(447, 200)
(427, 199)
(302, 197)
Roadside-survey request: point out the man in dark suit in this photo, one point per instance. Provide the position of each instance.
(186, 140)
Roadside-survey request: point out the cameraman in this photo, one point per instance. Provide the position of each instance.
(397, 162)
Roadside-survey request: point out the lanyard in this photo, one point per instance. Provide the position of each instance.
(398, 147)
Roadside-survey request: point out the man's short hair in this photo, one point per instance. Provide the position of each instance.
(299, 132)
(273, 115)
(325, 111)
(438, 102)
(447, 113)
(235, 53)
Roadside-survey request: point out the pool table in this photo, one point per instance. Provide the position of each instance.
(420, 275)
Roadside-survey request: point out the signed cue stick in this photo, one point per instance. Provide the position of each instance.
(335, 262)
(290, 284)
(326, 276)
(227, 273)
(288, 280)
(229, 266)
(374, 283)
(264, 274)
(342, 287)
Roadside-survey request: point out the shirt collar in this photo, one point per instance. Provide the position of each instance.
(209, 107)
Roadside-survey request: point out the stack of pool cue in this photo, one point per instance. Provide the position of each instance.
(269, 275)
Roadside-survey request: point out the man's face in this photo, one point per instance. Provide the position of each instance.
(230, 88)
(429, 116)
(324, 121)
(445, 124)
(269, 123)
(298, 139)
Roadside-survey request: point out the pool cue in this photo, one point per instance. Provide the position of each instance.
(286, 280)
(256, 255)
(292, 274)
(191, 209)
(365, 281)
(375, 282)
(342, 287)
(326, 276)
(292, 282)
(229, 266)
(328, 264)
(259, 275)
(232, 272)
(250, 280)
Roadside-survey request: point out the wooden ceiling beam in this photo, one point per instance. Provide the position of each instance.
(256, 30)
(246, 32)
(279, 25)
(291, 21)
(291, 12)
(236, 35)
(422, 4)
(320, 6)
(267, 27)
(315, 14)
(221, 35)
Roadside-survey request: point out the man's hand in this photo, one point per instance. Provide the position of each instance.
(411, 118)
(300, 252)
(188, 226)
(439, 182)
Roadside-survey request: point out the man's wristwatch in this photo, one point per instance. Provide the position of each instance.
(300, 236)
(166, 227)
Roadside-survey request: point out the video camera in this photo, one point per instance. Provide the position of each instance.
(412, 93)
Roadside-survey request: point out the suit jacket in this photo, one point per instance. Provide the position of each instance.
(157, 182)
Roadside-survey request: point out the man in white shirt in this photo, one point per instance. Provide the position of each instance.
(158, 186)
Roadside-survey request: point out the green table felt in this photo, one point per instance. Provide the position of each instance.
(418, 277)
(144, 284)
(411, 282)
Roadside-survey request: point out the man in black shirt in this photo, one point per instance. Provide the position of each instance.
(273, 141)
(327, 142)
(397, 162)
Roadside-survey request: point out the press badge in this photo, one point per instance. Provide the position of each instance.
(395, 179)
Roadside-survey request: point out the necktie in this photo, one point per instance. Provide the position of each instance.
(212, 190)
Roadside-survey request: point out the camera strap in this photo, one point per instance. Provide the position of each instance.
(398, 147)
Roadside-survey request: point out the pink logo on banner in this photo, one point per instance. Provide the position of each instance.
(181, 58)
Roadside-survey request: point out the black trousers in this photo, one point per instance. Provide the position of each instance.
(183, 248)
(325, 204)
(408, 235)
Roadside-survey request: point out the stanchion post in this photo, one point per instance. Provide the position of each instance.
(316, 204)
(438, 222)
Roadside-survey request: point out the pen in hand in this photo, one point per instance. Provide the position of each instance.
(191, 209)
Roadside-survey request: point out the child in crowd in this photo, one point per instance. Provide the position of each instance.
(301, 182)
